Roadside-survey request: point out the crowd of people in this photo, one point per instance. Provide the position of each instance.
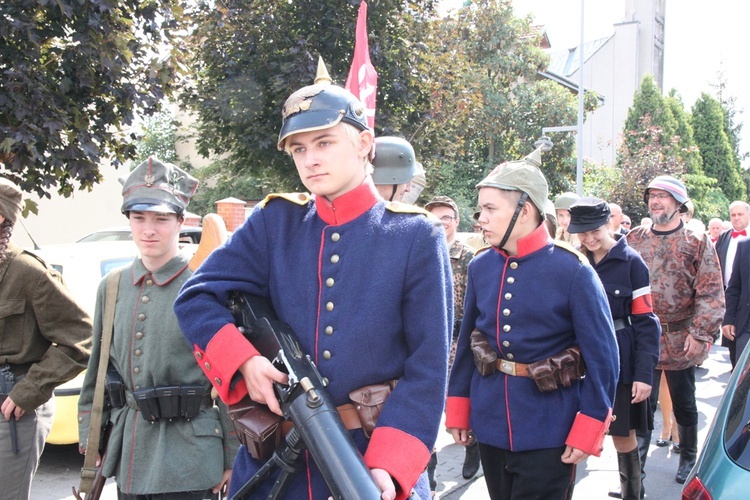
(397, 313)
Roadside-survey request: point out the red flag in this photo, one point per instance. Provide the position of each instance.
(363, 79)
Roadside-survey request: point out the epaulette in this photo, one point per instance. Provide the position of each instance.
(408, 208)
(567, 246)
(483, 249)
(41, 260)
(296, 198)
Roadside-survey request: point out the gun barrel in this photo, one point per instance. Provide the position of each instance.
(333, 449)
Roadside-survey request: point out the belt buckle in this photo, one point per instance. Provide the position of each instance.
(665, 327)
(508, 367)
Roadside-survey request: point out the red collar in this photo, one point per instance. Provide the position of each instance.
(349, 205)
(533, 242)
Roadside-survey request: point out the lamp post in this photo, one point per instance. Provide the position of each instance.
(579, 142)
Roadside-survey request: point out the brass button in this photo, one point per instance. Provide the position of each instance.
(329, 330)
(325, 380)
(334, 258)
(511, 280)
(510, 355)
(137, 370)
(617, 292)
(217, 380)
(138, 352)
(137, 387)
(335, 237)
(139, 335)
(141, 317)
(514, 265)
(216, 431)
(198, 354)
(330, 282)
(80, 419)
(329, 306)
(145, 299)
(508, 296)
(506, 312)
(207, 365)
(506, 328)
(506, 343)
(326, 354)
(149, 282)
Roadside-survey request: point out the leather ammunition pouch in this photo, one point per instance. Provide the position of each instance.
(484, 355)
(257, 427)
(368, 401)
(559, 369)
(115, 389)
(171, 402)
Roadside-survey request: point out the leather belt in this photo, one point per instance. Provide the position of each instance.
(621, 323)
(512, 367)
(677, 325)
(347, 412)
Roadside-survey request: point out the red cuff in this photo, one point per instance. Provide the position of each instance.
(402, 455)
(223, 356)
(457, 411)
(587, 433)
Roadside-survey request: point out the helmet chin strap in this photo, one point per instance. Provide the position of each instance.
(395, 188)
(513, 219)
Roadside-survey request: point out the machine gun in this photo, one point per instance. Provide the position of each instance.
(7, 381)
(317, 424)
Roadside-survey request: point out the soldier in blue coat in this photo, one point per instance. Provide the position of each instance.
(516, 379)
(336, 266)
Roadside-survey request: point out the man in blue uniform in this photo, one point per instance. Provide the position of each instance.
(516, 380)
(336, 267)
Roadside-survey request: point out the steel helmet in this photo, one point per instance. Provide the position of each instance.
(672, 186)
(320, 106)
(565, 200)
(394, 162)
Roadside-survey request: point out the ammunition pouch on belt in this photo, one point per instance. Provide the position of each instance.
(115, 389)
(260, 430)
(368, 401)
(484, 355)
(171, 402)
(559, 369)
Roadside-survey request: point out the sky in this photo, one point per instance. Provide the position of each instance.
(701, 38)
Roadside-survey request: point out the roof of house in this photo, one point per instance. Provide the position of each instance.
(565, 62)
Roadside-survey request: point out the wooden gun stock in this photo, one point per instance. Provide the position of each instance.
(214, 234)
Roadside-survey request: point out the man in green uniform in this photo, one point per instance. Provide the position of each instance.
(156, 449)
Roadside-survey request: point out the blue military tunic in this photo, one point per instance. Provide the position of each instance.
(532, 306)
(342, 275)
(626, 280)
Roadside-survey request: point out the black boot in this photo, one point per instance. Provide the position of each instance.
(471, 460)
(431, 465)
(629, 465)
(643, 440)
(688, 451)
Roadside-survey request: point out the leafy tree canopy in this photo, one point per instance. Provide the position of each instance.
(75, 74)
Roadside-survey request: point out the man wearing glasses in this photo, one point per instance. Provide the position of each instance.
(445, 209)
(688, 297)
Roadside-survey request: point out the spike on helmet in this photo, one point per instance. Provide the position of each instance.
(394, 162)
(671, 185)
(320, 106)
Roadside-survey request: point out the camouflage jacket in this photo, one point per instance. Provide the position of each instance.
(461, 254)
(686, 284)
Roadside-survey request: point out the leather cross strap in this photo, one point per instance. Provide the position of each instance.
(88, 472)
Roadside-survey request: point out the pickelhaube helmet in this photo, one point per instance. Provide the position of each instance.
(672, 186)
(521, 175)
(394, 162)
(320, 106)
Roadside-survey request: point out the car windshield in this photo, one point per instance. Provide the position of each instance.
(107, 236)
(737, 432)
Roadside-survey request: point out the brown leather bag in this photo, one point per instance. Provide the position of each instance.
(368, 401)
(257, 427)
(484, 355)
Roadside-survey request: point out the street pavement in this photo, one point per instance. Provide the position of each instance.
(60, 465)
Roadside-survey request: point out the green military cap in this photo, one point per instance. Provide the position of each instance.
(521, 175)
(565, 200)
(441, 200)
(154, 186)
